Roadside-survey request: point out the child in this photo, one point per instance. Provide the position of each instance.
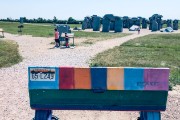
(56, 35)
(67, 40)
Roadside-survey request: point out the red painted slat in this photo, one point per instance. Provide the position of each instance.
(66, 79)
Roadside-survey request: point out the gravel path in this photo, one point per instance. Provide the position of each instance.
(36, 51)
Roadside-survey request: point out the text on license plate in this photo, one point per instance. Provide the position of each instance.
(42, 74)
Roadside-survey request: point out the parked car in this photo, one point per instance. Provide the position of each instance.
(168, 29)
(134, 28)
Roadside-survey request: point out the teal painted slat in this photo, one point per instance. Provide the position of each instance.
(108, 98)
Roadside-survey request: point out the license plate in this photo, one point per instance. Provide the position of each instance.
(42, 74)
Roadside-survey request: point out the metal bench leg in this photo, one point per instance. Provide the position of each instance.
(150, 116)
(43, 114)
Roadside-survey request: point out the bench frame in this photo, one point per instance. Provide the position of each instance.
(47, 115)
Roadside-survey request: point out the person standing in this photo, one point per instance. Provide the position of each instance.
(56, 35)
(67, 40)
(139, 29)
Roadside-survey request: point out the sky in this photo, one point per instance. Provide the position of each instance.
(78, 9)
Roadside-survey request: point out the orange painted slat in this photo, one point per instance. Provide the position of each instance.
(115, 79)
(82, 78)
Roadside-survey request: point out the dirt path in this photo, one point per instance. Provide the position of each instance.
(37, 51)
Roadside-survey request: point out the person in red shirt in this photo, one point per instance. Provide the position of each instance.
(56, 35)
(67, 40)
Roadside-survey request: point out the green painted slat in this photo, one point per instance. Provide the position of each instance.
(88, 97)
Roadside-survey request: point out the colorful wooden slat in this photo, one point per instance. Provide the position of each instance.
(99, 78)
(66, 78)
(43, 84)
(133, 77)
(82, 78)
(156, 79)
(115, 78)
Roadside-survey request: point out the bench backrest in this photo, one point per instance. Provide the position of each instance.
(68, 34)
(98, 88)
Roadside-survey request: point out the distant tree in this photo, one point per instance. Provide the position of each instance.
(55, 19)
(71, 20)
(25, 19)
(9, 19)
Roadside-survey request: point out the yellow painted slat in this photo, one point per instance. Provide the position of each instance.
(115, 79)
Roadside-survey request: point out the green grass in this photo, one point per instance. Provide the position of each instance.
(50, 24)
(75, 25)
(92, 37)
(8, 53)
(147, 51)
(36, 30)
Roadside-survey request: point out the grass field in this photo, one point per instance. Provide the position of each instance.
(36, 30)
(50, 24)
(148, 51)
(8, 53)
(92, 37)
(39, 30)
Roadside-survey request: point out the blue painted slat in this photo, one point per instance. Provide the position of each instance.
(40, 83)
(133, 78)
(99, 79)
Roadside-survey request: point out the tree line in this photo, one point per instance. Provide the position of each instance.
(42, 20)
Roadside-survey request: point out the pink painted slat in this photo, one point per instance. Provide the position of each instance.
(156, 79)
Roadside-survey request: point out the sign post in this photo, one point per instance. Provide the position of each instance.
(21, 21)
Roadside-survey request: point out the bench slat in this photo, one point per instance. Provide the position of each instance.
(87, 99)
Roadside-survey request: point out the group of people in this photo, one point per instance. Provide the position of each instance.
(57, 41)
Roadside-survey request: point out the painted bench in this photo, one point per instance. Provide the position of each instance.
(98, 88)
